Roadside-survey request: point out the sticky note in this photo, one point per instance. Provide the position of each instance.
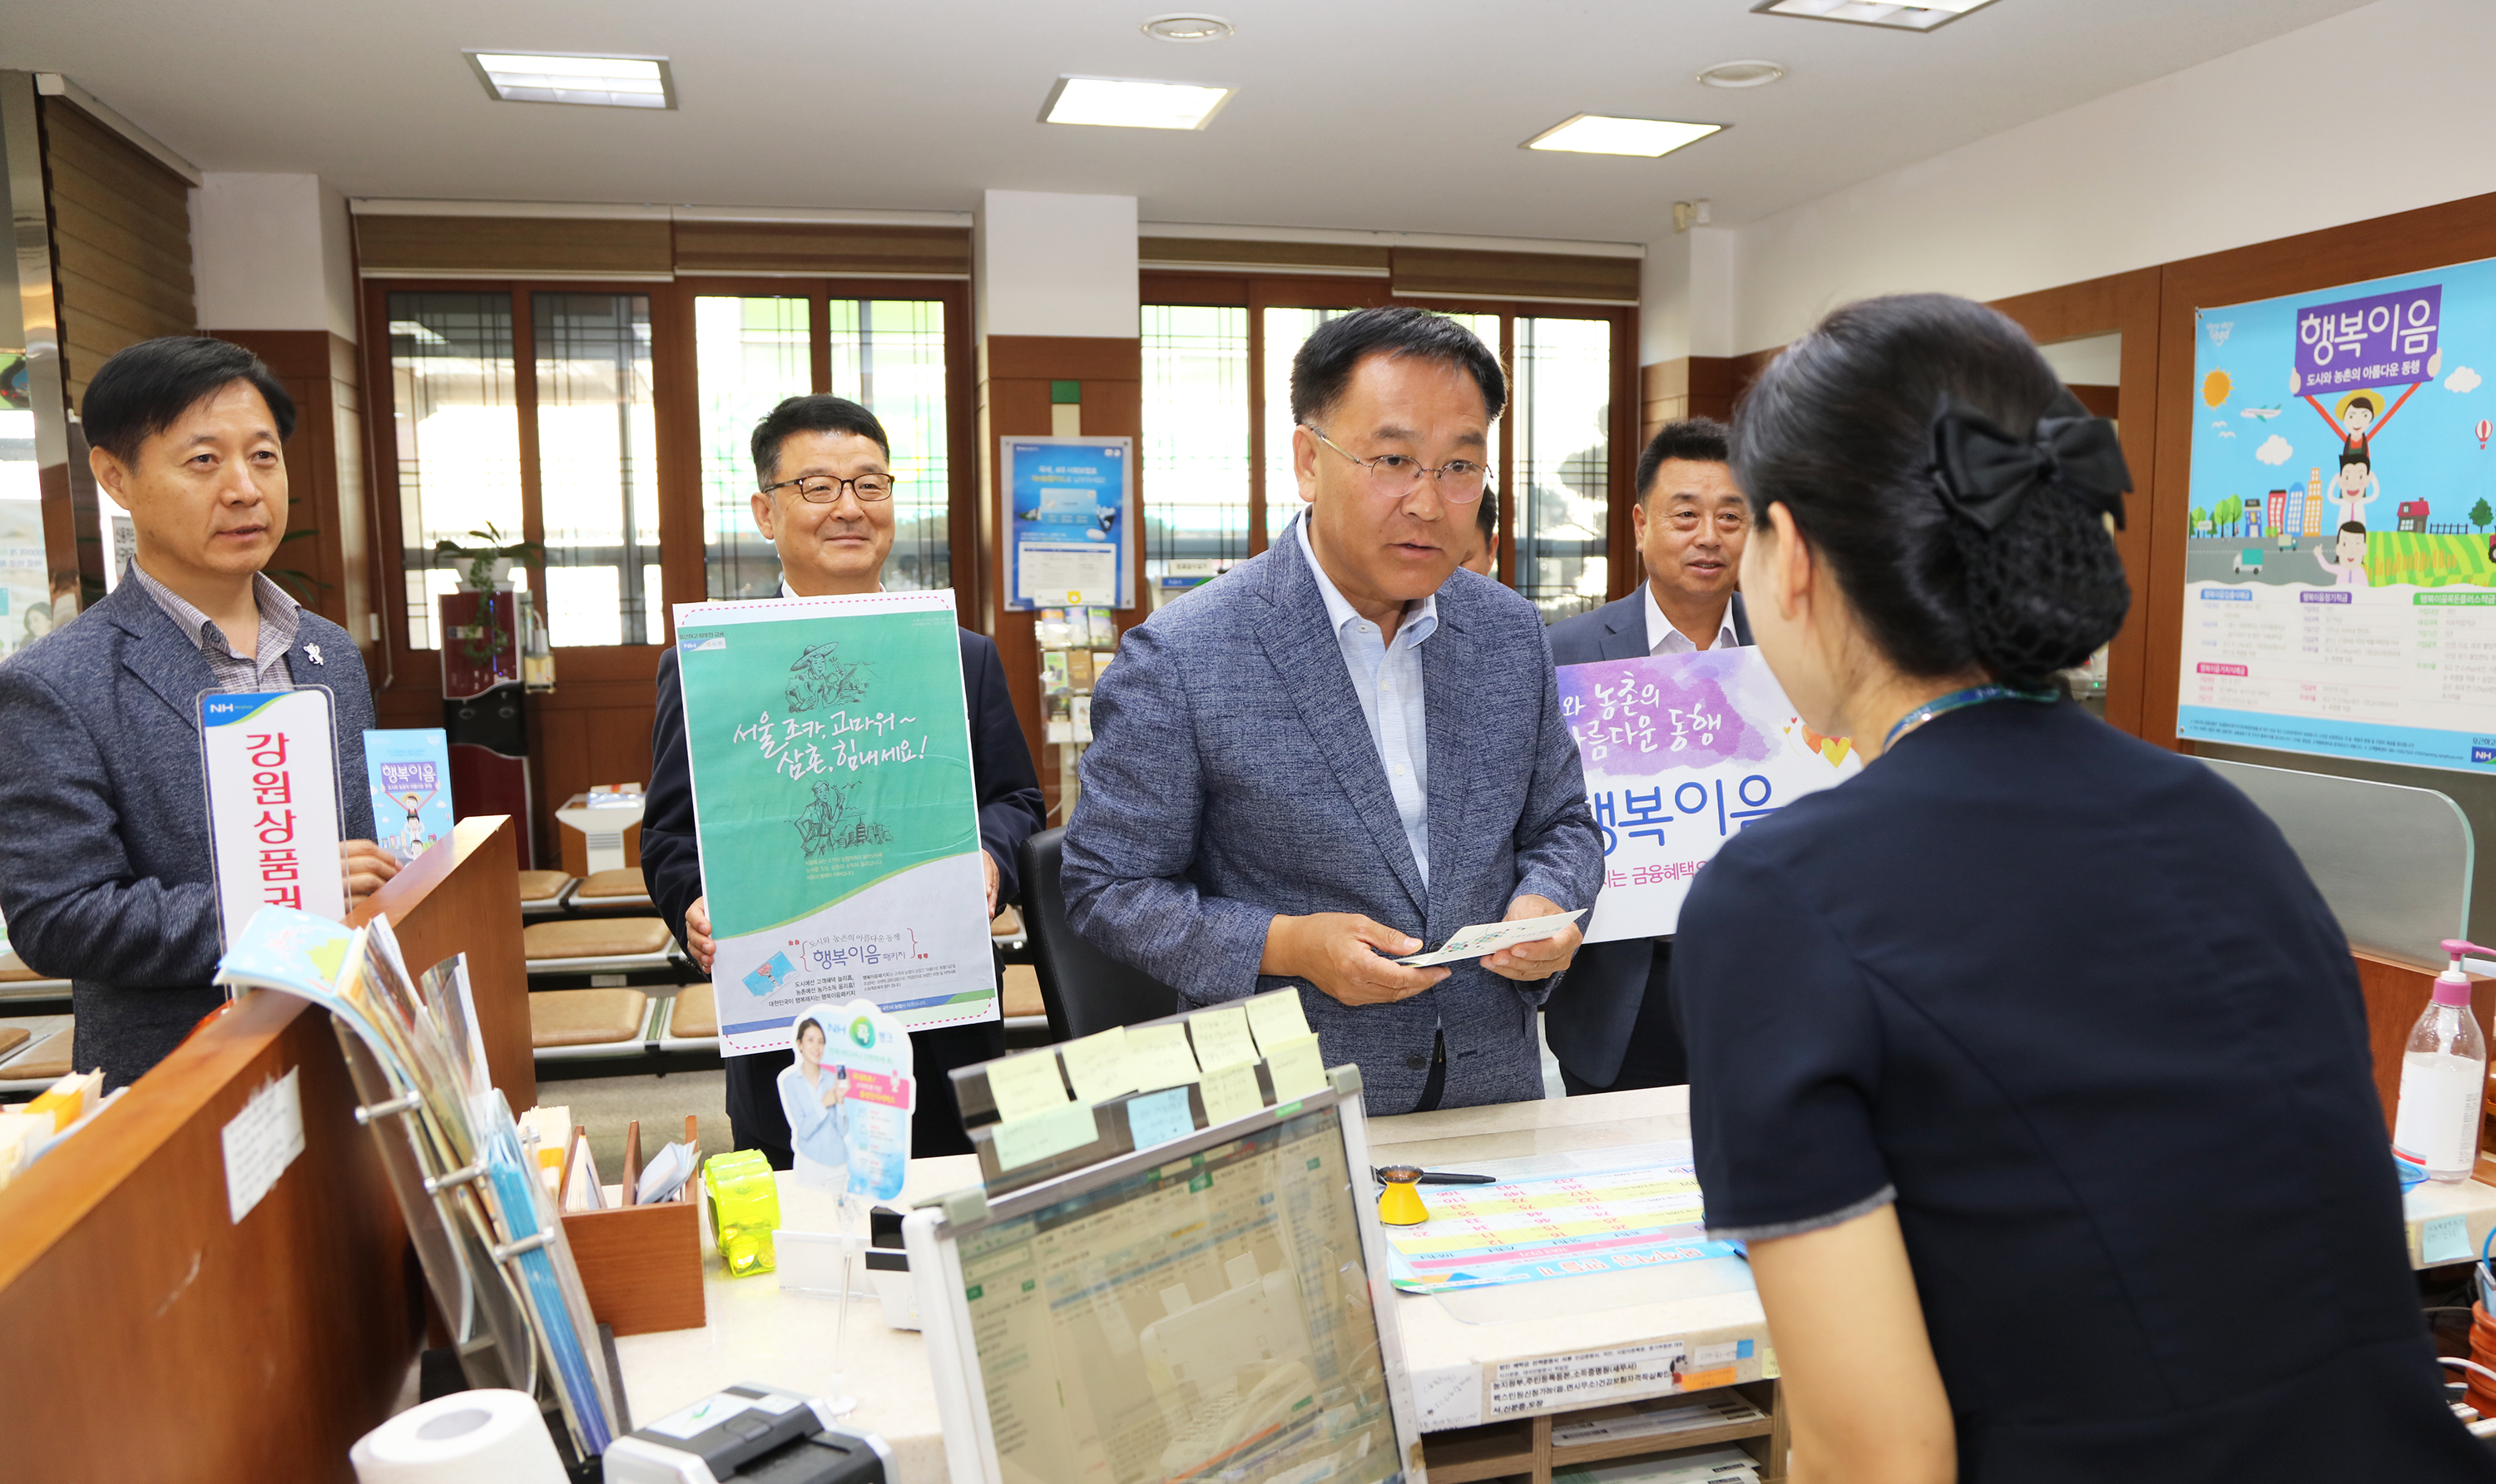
(1025, 1085)
(1295, 1066)
(2445, 1239)
(1053, 1132)
(1276, 1017)
(1232, 1092)
(1159, 1056)
(1097, 1066)
(1157, 1118)
(1222, 1037)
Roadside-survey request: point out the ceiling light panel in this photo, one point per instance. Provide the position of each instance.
(1597, 134)
(611, 82)
(1120, 103)
(1922, 15)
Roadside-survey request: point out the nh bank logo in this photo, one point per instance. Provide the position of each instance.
(2482, 750)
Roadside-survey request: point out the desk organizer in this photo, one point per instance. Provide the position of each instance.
(641, 1265)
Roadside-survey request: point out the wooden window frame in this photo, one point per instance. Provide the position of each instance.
(683, 561)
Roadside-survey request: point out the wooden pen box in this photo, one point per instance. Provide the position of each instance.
(641, 1265)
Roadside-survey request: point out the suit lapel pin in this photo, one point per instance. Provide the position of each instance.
(314, 650)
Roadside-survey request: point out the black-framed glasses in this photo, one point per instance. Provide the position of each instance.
(825, 488)
(1460, 480)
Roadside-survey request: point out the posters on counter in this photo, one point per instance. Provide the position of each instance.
(271, 768)
(2340, 564)
(833, 800)
(1681, 752)
(409, 772)
(1070, 509)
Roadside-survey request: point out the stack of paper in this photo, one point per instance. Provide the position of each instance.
(22, 1138)
(1657, 1418)
(69, 1099)
(1709, 1466)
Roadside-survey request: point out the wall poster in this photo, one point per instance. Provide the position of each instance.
(1069, 515)
(833, 800)
(2340, 569)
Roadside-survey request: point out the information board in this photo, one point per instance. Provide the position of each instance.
(2340, 571)
(1069, 508)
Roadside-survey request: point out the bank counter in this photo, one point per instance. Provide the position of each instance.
(155, 1333)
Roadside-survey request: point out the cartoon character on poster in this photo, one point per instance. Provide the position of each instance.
(849, 1097)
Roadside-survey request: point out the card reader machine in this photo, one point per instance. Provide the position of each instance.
(752, 1434)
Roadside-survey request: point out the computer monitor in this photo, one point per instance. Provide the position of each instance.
(1207, 1308)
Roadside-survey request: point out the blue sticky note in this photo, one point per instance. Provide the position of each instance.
(1742, 1350)
(1157, 1118)
(2444, 1238)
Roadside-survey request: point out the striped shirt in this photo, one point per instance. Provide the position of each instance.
(280, 617)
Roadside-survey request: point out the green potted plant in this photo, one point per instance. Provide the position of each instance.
(484, 567)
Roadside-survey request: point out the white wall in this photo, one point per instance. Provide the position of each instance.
(2379, 110)
(1051, 265)
(271, 252)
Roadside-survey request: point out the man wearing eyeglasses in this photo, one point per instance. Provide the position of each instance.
(824, 471)
(1611, 1026)
(1346, 750)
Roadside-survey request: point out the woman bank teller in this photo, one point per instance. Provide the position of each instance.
(2029, 1061)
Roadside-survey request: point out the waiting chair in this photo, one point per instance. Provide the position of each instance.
(1084, 989)
(587, 1022)
(597, 945)
(622, 887)
(544, 892)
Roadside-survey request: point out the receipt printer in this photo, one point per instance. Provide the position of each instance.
(753, 1435)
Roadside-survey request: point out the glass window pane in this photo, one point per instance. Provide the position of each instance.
(1285, 331)
(597, 473)
(749, 354)
(1196, 436)
(456, 425)
(1564, 462)
(888, 356)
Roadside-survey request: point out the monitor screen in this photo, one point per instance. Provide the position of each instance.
(1205, 1319)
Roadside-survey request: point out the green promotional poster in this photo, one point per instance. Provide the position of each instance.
(831, 752)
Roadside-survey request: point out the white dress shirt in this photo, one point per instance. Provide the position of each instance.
(1662, 639)
(1388, 678)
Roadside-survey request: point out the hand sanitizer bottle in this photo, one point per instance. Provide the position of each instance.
(2443, 1077)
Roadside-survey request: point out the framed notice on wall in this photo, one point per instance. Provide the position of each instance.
(2340, 569)
(1069, 521)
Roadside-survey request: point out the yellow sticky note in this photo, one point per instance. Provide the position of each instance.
(1276, 1018)
(1025, 1085)
(1232, 1093)
(1097, 1066)
(1221, 1037)
(1158, 1056)
(1053, 1131)
(1295, 1066)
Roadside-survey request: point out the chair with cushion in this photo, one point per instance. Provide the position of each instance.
(19, 982)
(620, 888)
(693, 1021)
(1026, 1007)
(587, 1021)
(597, 945)
(12, 1038)
(43, 1061)
(544, 891)
(1084, 989)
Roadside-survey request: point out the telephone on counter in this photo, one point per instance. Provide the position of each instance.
(749, 1431)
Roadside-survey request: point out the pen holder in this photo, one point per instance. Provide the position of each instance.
(1399, 1204)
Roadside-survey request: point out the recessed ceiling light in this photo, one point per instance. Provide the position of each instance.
(1121, 102)
(1184, 26)
(1922, 15)
(615, 82)
(1741, 74)
(1595, 134)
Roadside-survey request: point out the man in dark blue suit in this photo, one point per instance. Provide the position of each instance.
(1611, 1021)
(104, 870)
(824, 468)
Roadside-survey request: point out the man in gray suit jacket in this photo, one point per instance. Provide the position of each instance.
(105, 873)
(1345, 748)
(1611, 1025)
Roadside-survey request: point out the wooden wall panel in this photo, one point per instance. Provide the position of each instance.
(122, 241)
(1459, 274)
(1287, 256)
(326, 533)
(831, 249)
(1688, 387)
(521, 247)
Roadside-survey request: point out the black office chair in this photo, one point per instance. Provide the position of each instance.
(1085, 989)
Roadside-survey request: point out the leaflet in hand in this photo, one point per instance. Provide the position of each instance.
(1491, 937)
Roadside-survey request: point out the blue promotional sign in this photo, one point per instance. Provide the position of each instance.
(1069, 516)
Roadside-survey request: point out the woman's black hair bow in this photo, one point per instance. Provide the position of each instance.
(1984, 473)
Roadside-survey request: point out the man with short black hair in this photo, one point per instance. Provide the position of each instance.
(105, 872)
(824, 471)
(1611, 1025)
(1336, 753)
(1482, 553)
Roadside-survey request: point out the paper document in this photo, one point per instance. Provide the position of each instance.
(1491, 937)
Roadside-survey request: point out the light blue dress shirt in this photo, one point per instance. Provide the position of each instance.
(1388, 678)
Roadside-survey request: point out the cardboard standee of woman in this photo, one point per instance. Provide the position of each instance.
(849, 1097)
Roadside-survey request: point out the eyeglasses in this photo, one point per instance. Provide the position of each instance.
(1460, 480)
(825, 488)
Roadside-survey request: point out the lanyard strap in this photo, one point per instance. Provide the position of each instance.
(1960, 700)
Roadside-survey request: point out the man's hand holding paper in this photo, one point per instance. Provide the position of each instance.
(1344, 954)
